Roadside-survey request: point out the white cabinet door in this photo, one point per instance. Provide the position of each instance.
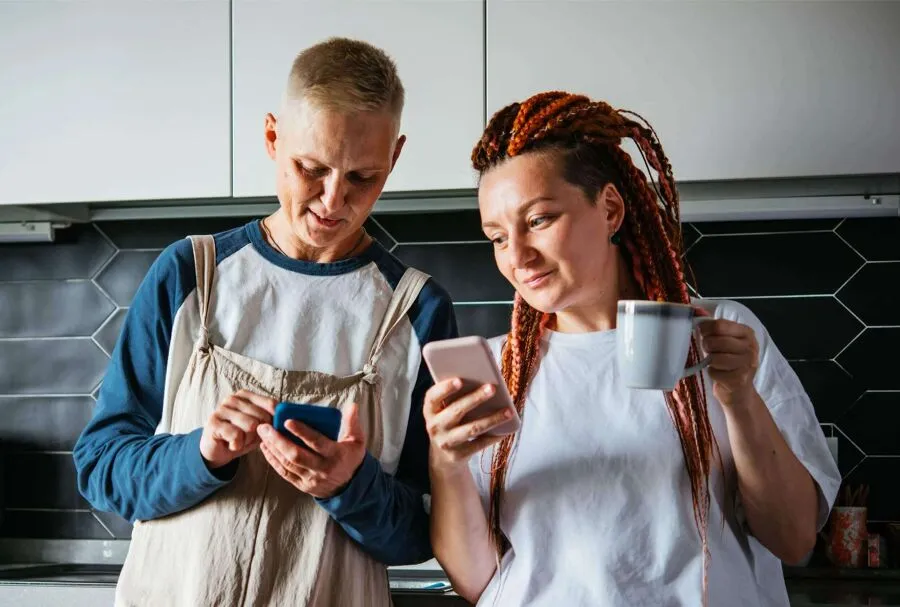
(118, 100)
(438, 46)
(734, 89)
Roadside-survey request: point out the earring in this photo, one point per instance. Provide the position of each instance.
(616, 238)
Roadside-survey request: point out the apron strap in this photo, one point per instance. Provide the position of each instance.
(205, 267)
(404, 296)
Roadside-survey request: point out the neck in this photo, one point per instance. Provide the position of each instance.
(599, 314)
(277, 232)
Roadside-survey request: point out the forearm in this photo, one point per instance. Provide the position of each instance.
(144, 477)
(384, 515)
(777, 491)
(460, 533)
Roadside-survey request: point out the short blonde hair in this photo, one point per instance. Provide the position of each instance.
(346, 75)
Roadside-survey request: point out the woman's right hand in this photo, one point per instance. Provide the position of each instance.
(453, 441)
(230, 431)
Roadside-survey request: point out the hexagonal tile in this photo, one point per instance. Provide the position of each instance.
(442, 226)
(42, 480)
(58, 525)
(795, 325)
(813, 263)
(849, 454)
(881, 474)
(52, 308)
(43, 424)
(122, 277)
(876, 238)
(830, 389)
(72, 365)
(873, 359)
(869, 294)
(376, 231)
(467, 271)
(78, 252)
(160, 233)
(766, 226)
(119, 527)
(486, 320)
(872, 423)
(689, 235)
(109, 332)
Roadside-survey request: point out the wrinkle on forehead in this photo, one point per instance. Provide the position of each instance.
(338, 140)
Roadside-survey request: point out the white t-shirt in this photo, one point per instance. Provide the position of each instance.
(597, 505)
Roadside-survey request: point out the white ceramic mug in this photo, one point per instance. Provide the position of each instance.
(653, 341)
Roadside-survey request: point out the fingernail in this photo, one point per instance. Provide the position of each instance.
(457, 383)
(488, 389)
(507, 414)
(265, 429)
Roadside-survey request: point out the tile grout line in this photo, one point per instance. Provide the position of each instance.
(80, 510)
(850, 440)
(803, 296)
(106, 237)
(102, 524)
(381, 227)
(852, 276)
(850, 343)
(787, 232)
(441, 242)
(852, 248)
(69, 337)
(852, 313)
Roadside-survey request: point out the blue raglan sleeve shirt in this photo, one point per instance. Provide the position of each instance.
(122, 465)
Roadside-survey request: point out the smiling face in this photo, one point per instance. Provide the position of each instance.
(550, 241)
(331, 167)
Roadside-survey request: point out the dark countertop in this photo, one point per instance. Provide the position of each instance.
(807, 587)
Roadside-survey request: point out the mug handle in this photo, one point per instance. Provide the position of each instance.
(703, 363)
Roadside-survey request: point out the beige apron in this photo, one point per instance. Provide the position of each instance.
(259, 541)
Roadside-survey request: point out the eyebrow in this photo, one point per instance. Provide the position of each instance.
(522, 210)
(322, 164)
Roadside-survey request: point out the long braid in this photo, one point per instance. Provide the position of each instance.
(573, 125)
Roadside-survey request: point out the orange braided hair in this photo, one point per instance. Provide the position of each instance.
(587, 135)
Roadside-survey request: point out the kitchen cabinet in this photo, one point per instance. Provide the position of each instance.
(735, 90)
(114, 100)
(439, 51)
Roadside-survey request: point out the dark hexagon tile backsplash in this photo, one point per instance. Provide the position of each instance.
(825, 289)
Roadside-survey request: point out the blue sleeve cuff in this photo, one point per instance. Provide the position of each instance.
(198, 473)
(345, 502)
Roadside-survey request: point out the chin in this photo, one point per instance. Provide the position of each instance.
(548, 303)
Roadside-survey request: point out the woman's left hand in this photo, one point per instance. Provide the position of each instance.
(327, 466)
(734, 359)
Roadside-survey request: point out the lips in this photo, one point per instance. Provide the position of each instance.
(537, 279)
(322, 221)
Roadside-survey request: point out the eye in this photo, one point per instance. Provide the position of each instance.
(497, 239)
(539, 220)
(360, 178)
(314, 172)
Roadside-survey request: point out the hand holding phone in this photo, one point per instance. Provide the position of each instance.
(469, 408)
(324, 420)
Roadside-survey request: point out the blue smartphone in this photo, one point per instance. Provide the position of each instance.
(324, 420)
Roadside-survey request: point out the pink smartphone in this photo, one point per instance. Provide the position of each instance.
(470, 359)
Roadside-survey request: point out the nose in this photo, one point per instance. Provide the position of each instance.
(521, 252)
(333, 193)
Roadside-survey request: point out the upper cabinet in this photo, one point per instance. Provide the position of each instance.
(114, 100)
(438, 47)
(735, 90)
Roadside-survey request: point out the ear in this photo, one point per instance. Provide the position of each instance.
(611, 202)
(397, 149)
(271, 134)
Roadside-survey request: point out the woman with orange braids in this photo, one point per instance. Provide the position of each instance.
(610, 496)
